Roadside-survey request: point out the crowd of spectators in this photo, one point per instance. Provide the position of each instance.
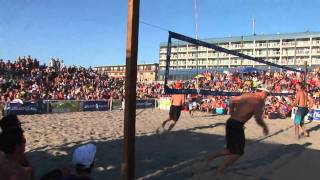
(26, 80)
(277, 82)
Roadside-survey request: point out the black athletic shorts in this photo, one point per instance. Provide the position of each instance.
(235, 137)
(175, 112)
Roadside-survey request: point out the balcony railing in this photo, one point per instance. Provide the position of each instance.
(288, 43)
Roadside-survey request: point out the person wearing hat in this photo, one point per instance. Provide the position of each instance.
(83, 159)
(177, 102)
(242, 108)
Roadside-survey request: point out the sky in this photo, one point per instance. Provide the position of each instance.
(93, 32)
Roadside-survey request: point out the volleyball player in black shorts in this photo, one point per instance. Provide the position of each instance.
(177, 102)
(241, 109)
(175, 112)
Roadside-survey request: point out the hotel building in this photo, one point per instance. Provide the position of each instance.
(290, 49)
(146, 72)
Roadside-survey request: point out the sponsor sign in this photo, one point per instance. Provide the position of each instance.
(95, 105)
(316, 115)
(63, 106)
(116, 104)
(24, 108)
(164, 104)
(146, 103)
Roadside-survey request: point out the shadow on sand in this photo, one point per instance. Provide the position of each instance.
(159, 156)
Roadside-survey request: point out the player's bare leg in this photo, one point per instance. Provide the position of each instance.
(305, 133)
(223, 152)
(230, 159)
(172, 125)
(165, 122)
(296, 131)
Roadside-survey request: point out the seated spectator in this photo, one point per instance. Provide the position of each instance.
(284, 109)
(221, 107)
(12, 144)
(83, 159)
(204, 106)
(10, 170)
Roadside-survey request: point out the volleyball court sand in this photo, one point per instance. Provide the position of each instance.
(52, 138)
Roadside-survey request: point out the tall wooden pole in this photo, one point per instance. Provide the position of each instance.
(130, 90)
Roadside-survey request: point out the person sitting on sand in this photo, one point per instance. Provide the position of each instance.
(204, 106)
(10, 170)
(192, 104)
(83, 159)
(12, 144)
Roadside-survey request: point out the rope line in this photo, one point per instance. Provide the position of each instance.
(154, 26)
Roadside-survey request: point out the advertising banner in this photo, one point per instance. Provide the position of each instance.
(63, 106)
(164, 104)
(95, 106)
(116, 104)
(145, 103)
(316, 115)
(24, 108)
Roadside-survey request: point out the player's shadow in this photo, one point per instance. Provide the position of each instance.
(270, 135)
(206, 127)
(269, 157)
(314, 128)
(162, 156)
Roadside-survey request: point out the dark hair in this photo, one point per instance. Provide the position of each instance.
(11, 134)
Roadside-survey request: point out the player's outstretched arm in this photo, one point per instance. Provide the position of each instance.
(258, 114)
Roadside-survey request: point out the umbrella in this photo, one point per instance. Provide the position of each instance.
(248, 70)
(199, 76)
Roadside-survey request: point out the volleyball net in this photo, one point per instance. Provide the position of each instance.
(199, 43)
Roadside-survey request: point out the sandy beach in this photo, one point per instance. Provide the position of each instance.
(51, 139)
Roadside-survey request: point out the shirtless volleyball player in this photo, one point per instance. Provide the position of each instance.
(301, 101)
(177, 102)
(242, 108)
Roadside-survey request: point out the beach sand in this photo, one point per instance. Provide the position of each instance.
(52, 138)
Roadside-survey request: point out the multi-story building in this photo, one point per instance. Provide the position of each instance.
(290, 49)
(146, 72)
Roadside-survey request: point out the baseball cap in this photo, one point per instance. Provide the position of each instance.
(84, 155)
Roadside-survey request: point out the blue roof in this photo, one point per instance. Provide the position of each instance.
(260, 37)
